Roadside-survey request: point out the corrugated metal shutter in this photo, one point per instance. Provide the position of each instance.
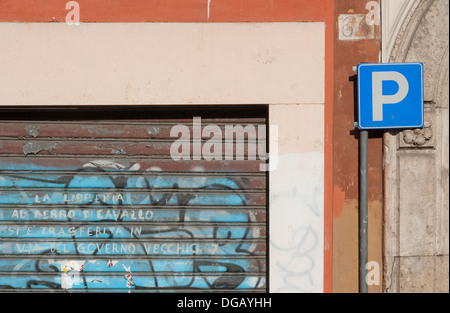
(90, 200)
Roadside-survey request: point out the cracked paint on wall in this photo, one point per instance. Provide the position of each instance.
(35, 147)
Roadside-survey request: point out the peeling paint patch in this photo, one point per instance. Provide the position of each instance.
(128, 277)
(153, 130)
(35, 147)
(70, 273)
(33, 130)
(117, 151)
(354, 27)
(101, 131)
(104, 164)
(112, 263)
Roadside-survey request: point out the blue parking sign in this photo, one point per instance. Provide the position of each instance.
(390, 95)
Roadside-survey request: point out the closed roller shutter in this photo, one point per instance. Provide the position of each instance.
(91, 200)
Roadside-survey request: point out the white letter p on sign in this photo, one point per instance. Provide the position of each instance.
(378, 99)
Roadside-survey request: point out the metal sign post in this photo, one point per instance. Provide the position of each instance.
(390, 95)
(363, 209)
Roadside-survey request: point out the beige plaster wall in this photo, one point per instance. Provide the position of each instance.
(160, 63)
(297, 199)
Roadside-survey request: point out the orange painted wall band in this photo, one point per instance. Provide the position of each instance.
(166, 10)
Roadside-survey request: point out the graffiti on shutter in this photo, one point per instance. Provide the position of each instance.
(99, 205)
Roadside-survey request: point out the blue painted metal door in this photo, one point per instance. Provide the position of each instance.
(95, 201)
